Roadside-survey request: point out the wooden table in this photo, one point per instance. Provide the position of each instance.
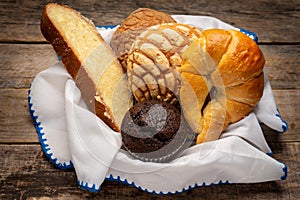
(24, 170)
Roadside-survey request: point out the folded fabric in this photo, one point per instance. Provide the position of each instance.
(72, 136)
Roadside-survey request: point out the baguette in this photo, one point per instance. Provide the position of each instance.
(90, 61)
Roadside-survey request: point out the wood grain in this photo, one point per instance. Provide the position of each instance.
(15, 121)
(21, 62)
(17, 127)
(35, 177)
(25, 173)
(282, 65)
(20, 20)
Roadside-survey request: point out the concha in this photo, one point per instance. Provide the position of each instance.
(132, 26)
(154, 58)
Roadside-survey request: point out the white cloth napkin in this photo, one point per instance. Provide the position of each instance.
(72, 136)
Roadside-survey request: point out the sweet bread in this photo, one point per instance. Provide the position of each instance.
(132, 26)
(90, 61)
(153, 59)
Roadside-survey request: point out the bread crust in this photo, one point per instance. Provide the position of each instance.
(61, 47)
(74, 64)
(85, 83)
(242, 61)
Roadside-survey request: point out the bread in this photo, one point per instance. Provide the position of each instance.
(224, 68)
(90, 61)
(153, 59)
(132, 26)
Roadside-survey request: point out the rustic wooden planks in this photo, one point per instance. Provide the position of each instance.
(15, 121)
(269, 19)
(21, 62)
(282, 65)
(35, 177)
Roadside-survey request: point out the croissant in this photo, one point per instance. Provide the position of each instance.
(222, 80)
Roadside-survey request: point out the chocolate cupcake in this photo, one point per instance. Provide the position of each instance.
(155, 131)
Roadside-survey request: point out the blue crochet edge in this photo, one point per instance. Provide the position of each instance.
(285, 125)
(196, 185)
(269, 153)
(285, 170)
(107, 26)
(40, 133)
(85, 186)
(250, 34)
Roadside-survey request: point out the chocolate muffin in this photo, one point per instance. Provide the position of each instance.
(153, 130)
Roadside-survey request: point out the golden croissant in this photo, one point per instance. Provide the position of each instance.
(222, 80)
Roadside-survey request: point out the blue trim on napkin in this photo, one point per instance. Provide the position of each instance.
(285, 125)
(45, 146)
(250, 34)
(190, 187)
(285, 170)
(85, 186)
(107, 26)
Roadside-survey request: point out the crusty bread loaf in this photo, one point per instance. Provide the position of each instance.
(132, 26)
(229, 66)
(90, 61)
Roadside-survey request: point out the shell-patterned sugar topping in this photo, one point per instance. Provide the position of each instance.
(153, 59)
(132, 26)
